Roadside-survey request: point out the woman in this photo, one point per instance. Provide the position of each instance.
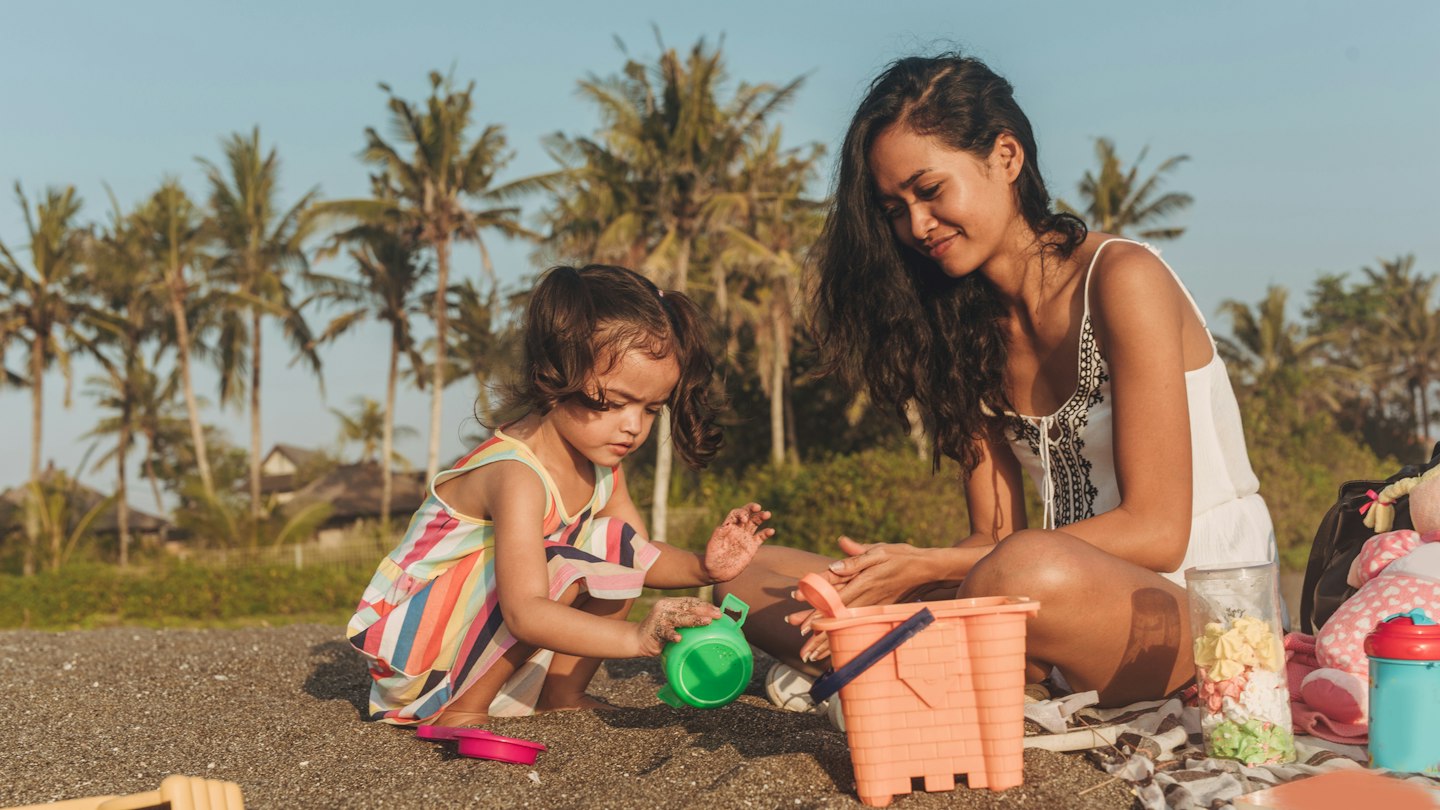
(946, 281)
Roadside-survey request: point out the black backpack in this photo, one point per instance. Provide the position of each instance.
(1338, 542)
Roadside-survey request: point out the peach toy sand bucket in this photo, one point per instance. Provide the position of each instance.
(935, 697)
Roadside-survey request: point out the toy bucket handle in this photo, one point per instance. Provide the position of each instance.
(735, 603)
(832, 682)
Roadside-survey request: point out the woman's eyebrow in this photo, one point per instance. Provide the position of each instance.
(912, 178)
(909, 181)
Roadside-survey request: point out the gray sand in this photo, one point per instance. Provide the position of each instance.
(277, 710)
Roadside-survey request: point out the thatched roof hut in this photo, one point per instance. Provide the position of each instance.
(81, 500)
(354, 493)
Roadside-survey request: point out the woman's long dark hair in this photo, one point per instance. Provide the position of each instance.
(581, 322)
(887, 318)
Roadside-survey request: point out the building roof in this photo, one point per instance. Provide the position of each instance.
(84, 499)
(354, 490)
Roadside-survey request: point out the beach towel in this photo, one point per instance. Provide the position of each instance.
(1156, 746)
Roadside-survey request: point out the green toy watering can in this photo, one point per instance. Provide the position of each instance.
(709, 666)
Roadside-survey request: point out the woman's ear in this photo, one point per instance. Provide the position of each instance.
(1007, 156)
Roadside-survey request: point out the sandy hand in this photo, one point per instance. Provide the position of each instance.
(733, 543)
(659, 628)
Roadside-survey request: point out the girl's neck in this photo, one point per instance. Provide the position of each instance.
(539, 434)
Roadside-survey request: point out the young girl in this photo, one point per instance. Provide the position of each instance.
(516, 574)
(1028, 345)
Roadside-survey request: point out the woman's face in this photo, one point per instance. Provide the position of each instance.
(945, 204)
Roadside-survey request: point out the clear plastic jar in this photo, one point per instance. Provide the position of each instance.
(1240, 662)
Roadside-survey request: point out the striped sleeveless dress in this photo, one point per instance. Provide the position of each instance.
(429, 622)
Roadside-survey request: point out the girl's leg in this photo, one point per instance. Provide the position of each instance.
(472, 706)
(1106, 623)
(570, 675)
(766, 585)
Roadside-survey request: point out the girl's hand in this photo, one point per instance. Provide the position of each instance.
(733, 544)
(872, 574)
(659, 628)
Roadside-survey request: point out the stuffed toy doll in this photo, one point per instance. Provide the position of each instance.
(1394, 572)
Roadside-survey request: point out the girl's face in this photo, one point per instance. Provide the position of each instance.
(635, 388)
(945, 204)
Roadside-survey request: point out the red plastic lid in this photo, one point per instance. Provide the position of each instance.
(1410, 636)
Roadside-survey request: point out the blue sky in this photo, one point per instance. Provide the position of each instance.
(1310, 126)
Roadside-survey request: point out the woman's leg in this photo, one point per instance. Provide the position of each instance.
(765, 585)
(1106, 623)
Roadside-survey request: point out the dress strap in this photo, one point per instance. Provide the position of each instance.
(1090, 273)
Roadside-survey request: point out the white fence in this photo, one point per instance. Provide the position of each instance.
(363, 551)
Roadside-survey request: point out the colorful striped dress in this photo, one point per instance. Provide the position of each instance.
(430, 621)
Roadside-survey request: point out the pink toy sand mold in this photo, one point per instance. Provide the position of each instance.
(481, 744)
(950, 701)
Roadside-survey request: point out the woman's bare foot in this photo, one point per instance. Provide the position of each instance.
(565, 704)
(458, 719)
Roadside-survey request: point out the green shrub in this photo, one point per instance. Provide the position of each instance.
(874, 496)
(1301, 462)
(89, 595)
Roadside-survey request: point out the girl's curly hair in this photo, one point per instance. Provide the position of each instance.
(581, 322)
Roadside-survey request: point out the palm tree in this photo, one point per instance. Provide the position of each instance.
(478, 349)
(119, 261)
(391, 271)
(1271, 354)
(428, 185)
(659, 174)
(368, 426)
(173, 229)
(152, 416)
(260, 244)
(1410, 331)
(777, 224)
(47, 306)
(1117, 200)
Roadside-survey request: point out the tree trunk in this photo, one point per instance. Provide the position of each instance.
(792, 441)
(778, 361)
(37, 405)
(1424, 409)
(255, 459)
(150, 475)
(192, 408)
(437, 373)
(918, 436)
(664, 451)
(387, 441)
(122, 504)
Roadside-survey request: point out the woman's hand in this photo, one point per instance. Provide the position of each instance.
(666, 615)
(733, 544)
(872, 574)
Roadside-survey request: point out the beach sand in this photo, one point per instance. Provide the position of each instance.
(278, 710)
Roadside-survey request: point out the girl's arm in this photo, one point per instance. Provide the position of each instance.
(517, 504)
(1144, 321)
(675, 568)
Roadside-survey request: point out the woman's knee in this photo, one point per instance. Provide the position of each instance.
(1030, 562)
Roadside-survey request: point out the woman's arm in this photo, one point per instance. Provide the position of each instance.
(1145, 325)
(885, 573)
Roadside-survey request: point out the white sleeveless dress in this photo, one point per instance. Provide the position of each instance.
(1070, 455)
